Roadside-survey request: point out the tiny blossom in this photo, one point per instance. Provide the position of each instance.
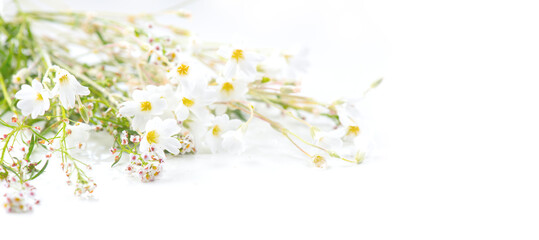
(85, 188)
(135, 138)
(18, 78)
(124, 138)
(158, 137)
(68, 88)
(238, 59)
(319, 161)
(150, 171)
(143, 107)
(188, 144)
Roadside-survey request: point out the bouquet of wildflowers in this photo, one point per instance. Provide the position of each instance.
(156, 89)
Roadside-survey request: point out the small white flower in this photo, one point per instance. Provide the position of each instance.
(144, 105)
(218, 127)
(67, 87)
(234, 142)
(229, 89)
(350, 118)
(19, 77)
(158, 137)
(77, 135)
(183, 70)
(239, 59)
(195, 96)
(34, 100)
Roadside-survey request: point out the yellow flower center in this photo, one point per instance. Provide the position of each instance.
(187, 102)
(353, 130)
(63, 79)
(183, 70)
(216, 130)
(145, 106)
(227, 87)
(319, 161)
(152, 137)
(237, 55)
(39, 97)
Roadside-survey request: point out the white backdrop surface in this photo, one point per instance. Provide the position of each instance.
(456, 120)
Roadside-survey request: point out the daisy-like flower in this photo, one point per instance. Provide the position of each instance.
(195, 96)
(144, 105)
(183, 69)
(218, 127)
(231, 89)
(34, 100)
(239, 59)
(158, 137)
(67, 88)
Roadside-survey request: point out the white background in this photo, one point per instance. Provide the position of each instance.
(457, 133)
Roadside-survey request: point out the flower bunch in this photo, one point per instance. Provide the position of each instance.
(157, 90)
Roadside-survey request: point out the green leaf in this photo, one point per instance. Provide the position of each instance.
(31, 147)
(40, 171)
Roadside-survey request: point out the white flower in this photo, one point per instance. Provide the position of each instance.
(229, 89)
(19, 77)
(239, 59)
(183, 70)
(158, 137)
(194, 97)
(218, 127)
(34, 100)
(143, 107)
(350, 118)
(77, 135)
(234, 142)
(67, 87)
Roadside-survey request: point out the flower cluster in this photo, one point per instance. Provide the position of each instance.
(19, 198)
(158, 91)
